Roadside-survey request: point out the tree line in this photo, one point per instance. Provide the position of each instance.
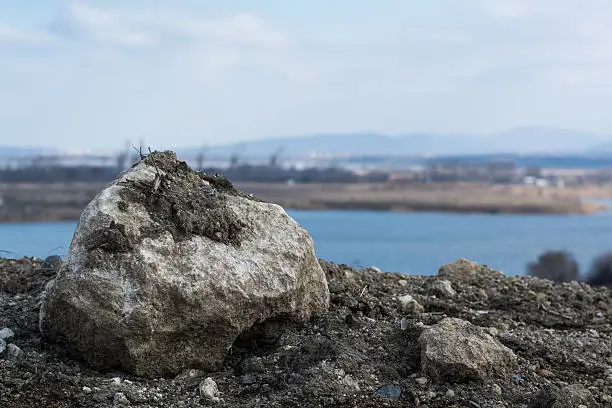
(560, 266)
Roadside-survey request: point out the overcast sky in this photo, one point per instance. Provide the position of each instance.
(192, 72)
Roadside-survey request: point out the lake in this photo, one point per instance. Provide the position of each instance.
(415, 243)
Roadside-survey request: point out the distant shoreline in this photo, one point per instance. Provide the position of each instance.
(32, 202)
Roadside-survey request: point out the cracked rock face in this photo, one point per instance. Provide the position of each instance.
(456, 351)
(168, 266)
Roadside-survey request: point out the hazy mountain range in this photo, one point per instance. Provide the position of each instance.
(522, 141)
(526, 140)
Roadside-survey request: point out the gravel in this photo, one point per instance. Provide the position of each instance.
(355, 355)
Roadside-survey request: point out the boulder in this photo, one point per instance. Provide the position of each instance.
(456, 351)
(167, 267)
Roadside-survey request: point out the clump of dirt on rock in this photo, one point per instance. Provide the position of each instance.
(181, 201)
(355, 355)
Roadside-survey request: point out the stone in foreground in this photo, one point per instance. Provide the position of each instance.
(574, 395)
(456, 351)
(167, 267)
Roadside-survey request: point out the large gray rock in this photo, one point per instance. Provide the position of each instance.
(167, 267)
(454, 350)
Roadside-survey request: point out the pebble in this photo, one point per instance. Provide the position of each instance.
(115, 381)
(86, 390)
(421, 381)
(390, 391)
(209, 390)
(2, 346)
(13, 351)
(248, 379)
(120, 400)
(6, 333)
(496, 389)
(450, 393)
(410, 305)
(545, 373)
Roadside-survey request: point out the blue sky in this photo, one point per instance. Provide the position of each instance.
(93, 74)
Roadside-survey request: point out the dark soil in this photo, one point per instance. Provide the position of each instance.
(184, 202)
(355, 355)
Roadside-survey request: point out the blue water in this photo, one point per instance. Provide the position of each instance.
(401, 242)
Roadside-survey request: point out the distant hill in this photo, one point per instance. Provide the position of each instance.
(528, 140)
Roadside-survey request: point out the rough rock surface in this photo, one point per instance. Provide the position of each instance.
(167, 267)
(442, 288)
(353, 355)
(574, 395)
(455, 350)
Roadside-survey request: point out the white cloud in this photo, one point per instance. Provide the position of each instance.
(103, 25)
(240, 28)
(485, 67)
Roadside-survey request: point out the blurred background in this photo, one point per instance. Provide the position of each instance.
(402, 135)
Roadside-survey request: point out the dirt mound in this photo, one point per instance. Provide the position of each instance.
(364, 352)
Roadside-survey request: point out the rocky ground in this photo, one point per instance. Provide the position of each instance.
(366, 351)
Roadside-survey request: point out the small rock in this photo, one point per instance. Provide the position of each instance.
(115, 381)
(571, 396)
(350, 384)
(6, 333)
(442, 287)
(86, 390)
(209, 390)
(455, 350)
(409, 305)
(493, 331)
(496, 389)
(421, 381)
(402, 282)
(545, 373)
(2, 346)
(404, 323)
(450, 394)
(13, 351)
(390, 391)
(120, 400)
(248, 379)
(374, 269)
